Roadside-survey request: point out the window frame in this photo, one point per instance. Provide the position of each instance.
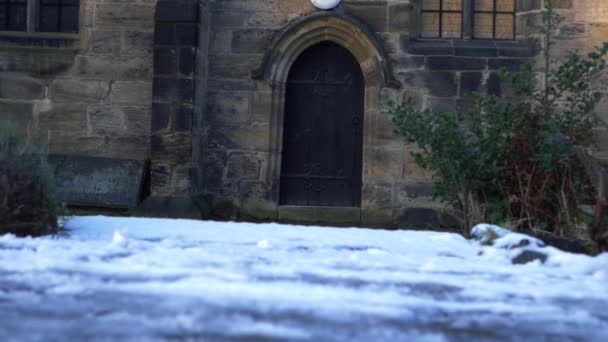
(33, 23)
(467, 22)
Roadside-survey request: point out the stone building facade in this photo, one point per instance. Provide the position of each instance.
(196, 92)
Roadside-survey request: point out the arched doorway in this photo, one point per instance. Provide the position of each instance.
(321, 162)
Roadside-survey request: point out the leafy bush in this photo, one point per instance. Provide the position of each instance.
(513, 159)
(28, 204)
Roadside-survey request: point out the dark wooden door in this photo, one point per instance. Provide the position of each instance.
(323, 130)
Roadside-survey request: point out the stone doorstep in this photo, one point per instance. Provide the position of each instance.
(320, 215)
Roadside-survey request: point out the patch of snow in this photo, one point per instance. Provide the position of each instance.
(166, 277)
(515, 240)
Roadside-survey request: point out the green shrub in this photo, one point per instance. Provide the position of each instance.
(28, 204)
(512, 159)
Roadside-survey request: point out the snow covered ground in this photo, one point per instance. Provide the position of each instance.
(152, 279)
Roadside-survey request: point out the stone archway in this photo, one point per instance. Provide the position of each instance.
(289, 44)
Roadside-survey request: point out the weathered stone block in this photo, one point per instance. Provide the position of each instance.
(137, 119)
(510, 64)
(173, 90)
(470, 82)
(438, 83)
(436, 47)
(121, 15)
(75, 90)
(249, 41)
(408, 193)
(66, 116)
(475, 48)
(107, 67)
(243, 166)
(269, 19)
(377, 196)
(106, 41)
(137, 43)
(251, 137)
(214, 166)
(172, 148)
(327, 215)
(136, 93)
(98, 182)
(494, 84)
(528, 5)
(106, 120)
(230, 20)
(419, 218)
(373, 14)
(161, 116)
(261, 107)
(182, 119)
(399, 17)
(412, 171)
(228, 107)
(19, 87)
(381, 164)
(233, 66)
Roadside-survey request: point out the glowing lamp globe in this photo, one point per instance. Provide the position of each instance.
(325, 4)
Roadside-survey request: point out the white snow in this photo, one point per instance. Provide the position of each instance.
(195, 279)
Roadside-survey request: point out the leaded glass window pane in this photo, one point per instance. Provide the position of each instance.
(494, 19)
(442, 19)
(13, 15)
(58, 16)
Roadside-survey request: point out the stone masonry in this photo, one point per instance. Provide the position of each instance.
(196, 87)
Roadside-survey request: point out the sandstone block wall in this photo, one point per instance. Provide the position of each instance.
(179, 86)
(238, 142)
(84, 94)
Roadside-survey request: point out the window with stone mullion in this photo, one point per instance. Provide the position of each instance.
(475, 19)
(39, 15)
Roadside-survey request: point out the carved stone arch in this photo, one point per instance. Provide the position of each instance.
(288, 45)
(342, 29)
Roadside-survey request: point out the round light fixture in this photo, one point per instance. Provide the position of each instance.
(325, 4)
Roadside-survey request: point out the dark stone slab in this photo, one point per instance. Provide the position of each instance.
(475, 48)
(187, 61)
(177, 11)
(165, 61)
(182, 121)
(186, 34)
(164, 34)
(515, 49)
(437, 47)
(469, 82)
(510, 64)
(161, 114)
(455, 63)
(494, 84)
(98, 182)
